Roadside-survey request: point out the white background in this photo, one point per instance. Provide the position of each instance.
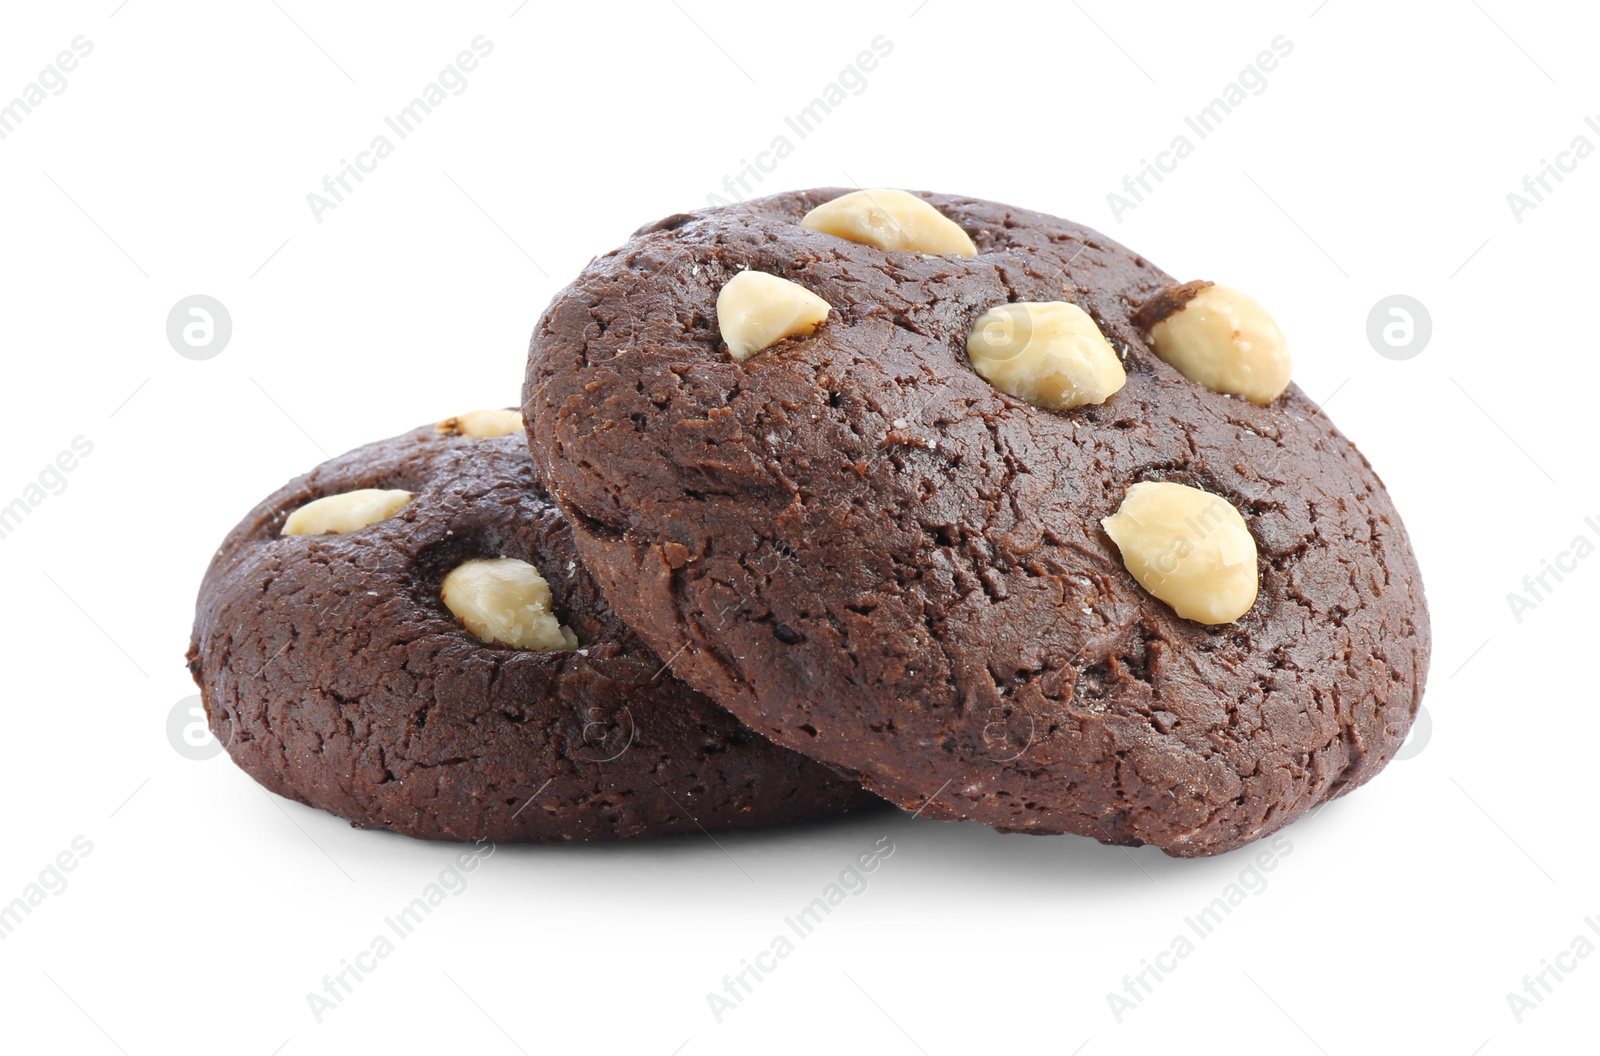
(177, 161)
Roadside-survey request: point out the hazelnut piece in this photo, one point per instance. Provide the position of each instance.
(346, 512)
(1049, 353)
(756, 310)
(504, 600)
(483, 425)
(1219, 338)
(1187, 547)
(890, 219)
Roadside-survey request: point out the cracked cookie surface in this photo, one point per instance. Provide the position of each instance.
(873, 556)
(335, 675)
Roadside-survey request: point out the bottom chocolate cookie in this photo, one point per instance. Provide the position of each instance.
(405, 637)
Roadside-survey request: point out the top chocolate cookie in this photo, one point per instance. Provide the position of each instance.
(946, 519)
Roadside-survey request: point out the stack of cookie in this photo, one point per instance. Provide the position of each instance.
(826, 497)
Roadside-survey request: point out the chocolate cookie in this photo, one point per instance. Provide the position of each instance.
(368, 672)
(858, 500)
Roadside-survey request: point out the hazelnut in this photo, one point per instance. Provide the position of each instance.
(1049, 353)
(891, 220)
(1189, 548)
(349, 511)
(756, 310)
(1219, 338)
(482, 425)
(506, 601)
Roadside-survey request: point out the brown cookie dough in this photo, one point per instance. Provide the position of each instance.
(335, 674)
(871, 554)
